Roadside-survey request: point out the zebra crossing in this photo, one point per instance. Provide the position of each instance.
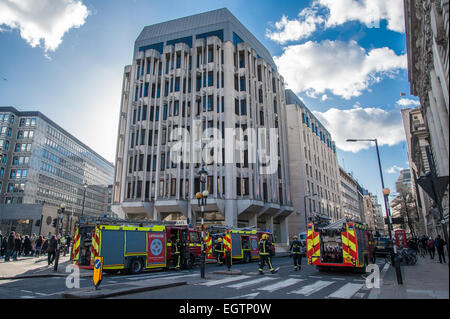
(295, 286)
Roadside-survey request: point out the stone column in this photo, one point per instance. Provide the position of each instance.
(284, 231)
(269, 223)
(253, 220)
(440, 108)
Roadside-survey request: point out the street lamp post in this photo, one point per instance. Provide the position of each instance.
(85, 185)
(394, 259)
(201, 197)
(58, 228)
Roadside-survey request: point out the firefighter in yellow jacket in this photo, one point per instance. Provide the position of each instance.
(296, 252)
(219, 251)
(176, 252)
(265, 251)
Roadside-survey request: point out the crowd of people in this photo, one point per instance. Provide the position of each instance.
(14, 245)
(425, 245)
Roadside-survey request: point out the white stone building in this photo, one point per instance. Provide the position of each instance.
(200, 72)
(313, 166)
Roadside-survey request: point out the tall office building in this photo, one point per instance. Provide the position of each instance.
(351, 196)
(313, 166)
(42, 164)
(205, 71)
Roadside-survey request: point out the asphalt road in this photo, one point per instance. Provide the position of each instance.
(285, 284)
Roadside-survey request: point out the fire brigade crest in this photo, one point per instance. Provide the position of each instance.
(254, 244)
(156, 247)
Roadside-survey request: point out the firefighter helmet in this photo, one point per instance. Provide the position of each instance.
(265, 236)
(219, 240)
(295, 237)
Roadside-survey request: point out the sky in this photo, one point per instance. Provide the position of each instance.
(346, 59)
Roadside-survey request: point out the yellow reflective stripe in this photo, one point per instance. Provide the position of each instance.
(169, 244)
(316, 240)
(191, 245)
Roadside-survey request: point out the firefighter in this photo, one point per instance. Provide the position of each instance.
(177, 253)
(265, 251)
(296, 252)
(219, 251)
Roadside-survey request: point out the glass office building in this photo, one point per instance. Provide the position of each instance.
(41, 163)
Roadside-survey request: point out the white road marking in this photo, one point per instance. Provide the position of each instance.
(249, 296)
(313, 288)
(250, 283)
(281, 284)
(27, 291)
(346, 291)
(27, 297)
(338, 278)
(223, 281)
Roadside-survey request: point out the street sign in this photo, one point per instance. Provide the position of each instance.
(98, 269)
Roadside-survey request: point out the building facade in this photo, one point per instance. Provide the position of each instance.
(417, 139)
(351, 197)
(427, 34)
(41, 163)
(194, 82)
(315, 183)
(379, 217)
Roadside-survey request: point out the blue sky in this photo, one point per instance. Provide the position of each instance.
(65, 58)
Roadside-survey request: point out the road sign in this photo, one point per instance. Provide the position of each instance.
(98, 269)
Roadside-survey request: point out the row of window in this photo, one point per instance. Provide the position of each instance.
(315, 129)
(25, 134)
(9, 118)
(27, 122)
(59, 172)
(61, 161)
(18, 173)
(16, 188)
(5, 130)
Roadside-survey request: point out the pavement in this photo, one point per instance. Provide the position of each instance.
(427, 279)
(32, 267)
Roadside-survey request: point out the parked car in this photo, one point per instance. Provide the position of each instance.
(383, 245)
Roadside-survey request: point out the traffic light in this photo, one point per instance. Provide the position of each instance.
(55, 220)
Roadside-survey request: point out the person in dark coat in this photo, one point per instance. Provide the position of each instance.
(440, 243)
(431, 247)
(295, 251)
(27, 245)
(10, 243)
(52, 245)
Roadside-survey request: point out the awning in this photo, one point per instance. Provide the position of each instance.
(440, 185)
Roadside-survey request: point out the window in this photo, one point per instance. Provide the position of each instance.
(210, 78)
(210, 102)
(163, 162)
(242, 83)
(177, 84)
(144, 113)
(176, 108)
(243, 107)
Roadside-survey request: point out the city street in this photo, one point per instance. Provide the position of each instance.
(285, 284)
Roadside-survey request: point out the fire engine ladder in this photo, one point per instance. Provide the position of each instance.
(122, 222)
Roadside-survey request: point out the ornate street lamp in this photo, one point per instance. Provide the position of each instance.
(201, 197)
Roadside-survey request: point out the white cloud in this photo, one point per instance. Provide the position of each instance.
(343, 68)
(43, 20)
(407, 102)
(294, 30)
(394, 169)
(324, 97)
(362, 123)
(369, 12)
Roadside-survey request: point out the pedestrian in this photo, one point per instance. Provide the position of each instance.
(431, 247)
(3, 245)
(2, 250)
(424, 244)
(52, 245)
(265, 251)
(176, 253)
(63, 244)
(33, 243)
(27, 248)
(17, 246)
(421, 248)
(219, 251)
(45, 245)
(295, 251)
(38, 245)
(440, 243)
(10, 244)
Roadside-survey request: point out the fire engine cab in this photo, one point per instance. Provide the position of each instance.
(133, 245)
(344, 243)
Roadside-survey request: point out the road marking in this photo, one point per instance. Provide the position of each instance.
(338, 278)
(346, 291)
(27, 297)
(281, 284)
(359, 295)
(223, 281)
(316, 277)
(249, 296)
(311, 289)
(27, 291)
(250, 283)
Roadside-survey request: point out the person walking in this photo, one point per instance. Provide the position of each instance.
(440, 243)
(52, 245)
(17, 246)
(295, 251)
(265, 251)
(421, 248)
(176, 253)
(219, 251)
(2, 248)
(27, 248)
(33, 243)
(10, 243)
(45, 245)
(38, 246)
(431, 247)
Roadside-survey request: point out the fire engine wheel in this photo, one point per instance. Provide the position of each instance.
(135, 266)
